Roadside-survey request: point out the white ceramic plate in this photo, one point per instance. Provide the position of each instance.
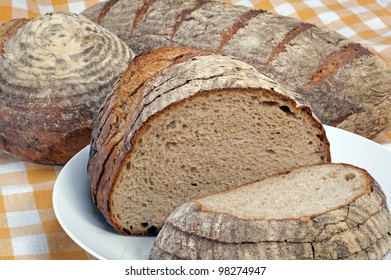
(78, 216)
(86, 226)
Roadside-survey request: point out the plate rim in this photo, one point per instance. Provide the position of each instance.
(58, 213)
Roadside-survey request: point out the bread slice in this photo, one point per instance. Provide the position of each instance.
(182, 124)
(55, 71)
(328, 211)
(313, 202)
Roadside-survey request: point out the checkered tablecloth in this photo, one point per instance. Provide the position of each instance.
(28, 226)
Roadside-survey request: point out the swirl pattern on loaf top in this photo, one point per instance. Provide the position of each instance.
(55, 71)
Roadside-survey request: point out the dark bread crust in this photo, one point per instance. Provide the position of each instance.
(113, 142)
(281, 46)
(173, 243)
(105, 8)
(240, 23)
(336, 60)
(377, 251)
(349, 88)
(7, 29)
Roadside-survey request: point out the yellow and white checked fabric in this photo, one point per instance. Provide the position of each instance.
(28, 226)
(10, 9)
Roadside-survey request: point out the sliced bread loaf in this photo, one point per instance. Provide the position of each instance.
(55, 71)
(328, 211)
(182, 123)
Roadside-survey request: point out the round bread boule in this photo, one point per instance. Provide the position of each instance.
(55, 71)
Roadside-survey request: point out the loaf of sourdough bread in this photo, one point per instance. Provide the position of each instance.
(347, 85)
(327, 211)
(55, 71)
(182, 123)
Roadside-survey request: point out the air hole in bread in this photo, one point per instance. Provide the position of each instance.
(172, 125)
(321, 137)
(349, 176)
(170, 145)
(152, 230)
(271, 151)
(285, 109)
(144, 225)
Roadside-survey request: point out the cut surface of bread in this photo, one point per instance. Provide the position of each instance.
(201, 124)
(296, 195)
(55, 71)
(327, 211)
(310, 213)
